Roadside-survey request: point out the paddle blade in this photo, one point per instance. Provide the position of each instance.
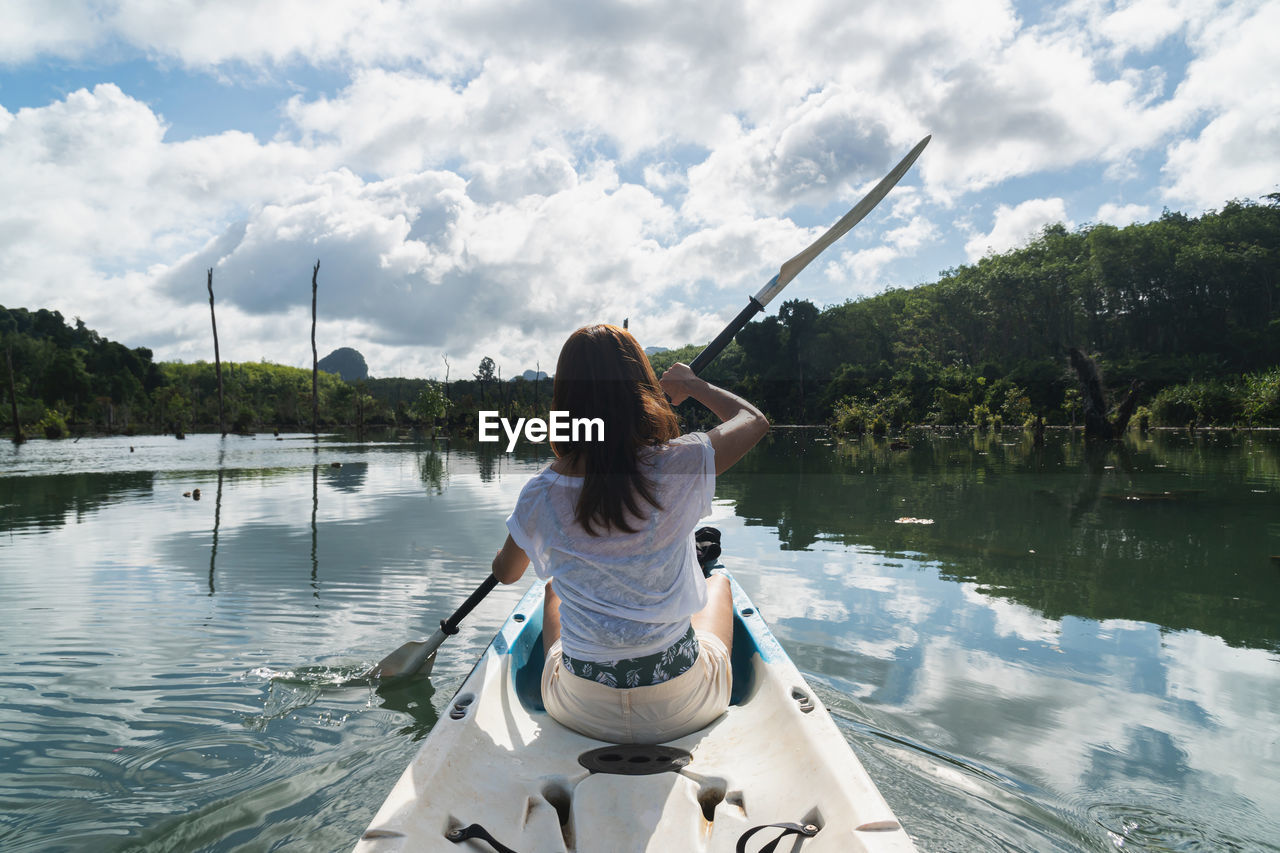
(792, 267)
(417, 658)
(414, 658)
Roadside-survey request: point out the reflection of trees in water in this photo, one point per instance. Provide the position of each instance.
(315, 509)
(433, 469)
(1163, 530)
(1097, 460)
(488, 461)
(491, 458)
(217, 517)
(49, 502)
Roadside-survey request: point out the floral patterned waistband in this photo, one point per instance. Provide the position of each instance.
(656, 668)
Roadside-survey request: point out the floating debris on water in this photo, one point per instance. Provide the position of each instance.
(908, 520)
(1153, 496)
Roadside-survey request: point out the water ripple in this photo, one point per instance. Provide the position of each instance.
(183, 675)
(1134, 827)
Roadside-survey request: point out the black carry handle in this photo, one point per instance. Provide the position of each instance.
(475, 830)
(806, 830)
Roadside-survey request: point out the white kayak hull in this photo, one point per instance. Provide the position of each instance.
(497, 759)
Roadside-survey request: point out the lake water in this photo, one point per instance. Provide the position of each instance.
(1080, 651)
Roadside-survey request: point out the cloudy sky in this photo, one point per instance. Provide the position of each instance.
(482, 180)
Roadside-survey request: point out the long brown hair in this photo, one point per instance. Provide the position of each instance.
(603, 373)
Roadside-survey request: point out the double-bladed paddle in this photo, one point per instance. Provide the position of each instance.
(417, 658)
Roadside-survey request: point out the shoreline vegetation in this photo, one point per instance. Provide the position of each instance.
(1182, 312)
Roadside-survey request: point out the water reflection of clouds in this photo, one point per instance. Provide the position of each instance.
(1091, 732)
(1238, 690)
(1109, 628)
(1096, 713)
(385, 563)
(1019, 709)
(1013, 619)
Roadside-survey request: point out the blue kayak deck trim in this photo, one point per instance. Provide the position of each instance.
(520, 637)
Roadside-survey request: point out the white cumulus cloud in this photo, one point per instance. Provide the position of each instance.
(477, 179)
(1123, 214)
(1018, 225)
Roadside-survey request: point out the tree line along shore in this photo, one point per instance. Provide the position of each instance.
(1184, 312)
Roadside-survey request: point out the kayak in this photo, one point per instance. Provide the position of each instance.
(496, 773)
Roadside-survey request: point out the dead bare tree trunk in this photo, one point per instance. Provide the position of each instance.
(360, 411)
(18, 437)
(1120, 421)
(217, 357)
(502, 396)
(1096, 423)
(1091, 396)
(315, 359)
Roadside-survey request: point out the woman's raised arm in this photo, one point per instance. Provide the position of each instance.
(741, 424)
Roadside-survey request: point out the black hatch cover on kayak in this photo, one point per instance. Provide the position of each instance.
(635, 759)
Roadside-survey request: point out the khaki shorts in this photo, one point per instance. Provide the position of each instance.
(652, 714)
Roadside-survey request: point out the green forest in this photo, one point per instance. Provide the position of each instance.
(1186, 307)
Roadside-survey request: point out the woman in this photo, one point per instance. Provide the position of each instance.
(637, 641)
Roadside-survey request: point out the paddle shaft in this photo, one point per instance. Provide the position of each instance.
(721, 341)
(448, 627)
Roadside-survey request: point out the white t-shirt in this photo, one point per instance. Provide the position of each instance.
(623, 595)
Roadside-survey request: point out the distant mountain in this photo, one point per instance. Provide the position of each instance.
(533, 376)
(655, 350)
(347, 363)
